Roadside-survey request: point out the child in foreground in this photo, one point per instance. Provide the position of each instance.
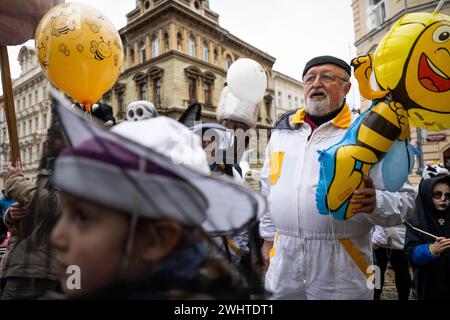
(137, 203)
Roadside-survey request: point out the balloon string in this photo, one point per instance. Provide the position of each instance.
(336, 270)
(439, 6)
(421, 231)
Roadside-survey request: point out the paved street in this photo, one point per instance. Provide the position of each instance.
(389, 290)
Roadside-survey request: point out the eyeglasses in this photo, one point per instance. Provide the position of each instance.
(324, 78)
(438, 195)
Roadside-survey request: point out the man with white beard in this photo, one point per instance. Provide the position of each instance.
(309, 255)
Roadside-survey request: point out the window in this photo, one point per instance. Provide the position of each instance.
(30, 123)
(205, 52)
(30, 155)
(131, 55)
(155, 47)
(23, 103)
(216, 57)
(296, 102)
(36, 96)
(228, 61)
(120, 96)
(191, 46)
(107, 97)
(166, 42)
(142, 52)
(44, 125)
(377, 13)
(157, 91)
(18, 104)
(143, 91)
(208, 94)
(36, 123)
(279, 99)
(179, 42)
(30, 99)
(192, 89)
(193, 76)
(119, 89)
(290, 101)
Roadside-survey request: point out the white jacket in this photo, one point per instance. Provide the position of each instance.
(310, 258)
(390, 237)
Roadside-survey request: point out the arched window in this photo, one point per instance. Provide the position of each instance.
(155, 75)
(191, 46)
(216, 56)
(192, 83)
(142, 52)
(179, 42)
(194, 76)
(143, 90)
(228, 61)
(131, 55)
(205, 52)
(166, 42)
(155, 47)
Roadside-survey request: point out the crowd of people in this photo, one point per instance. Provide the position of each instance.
(154, 208)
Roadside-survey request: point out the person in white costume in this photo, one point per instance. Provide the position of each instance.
(309, 255)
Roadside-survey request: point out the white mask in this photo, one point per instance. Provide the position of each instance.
(141, 110)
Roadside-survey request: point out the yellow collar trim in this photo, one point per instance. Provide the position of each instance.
(298, 117)
(342, 120)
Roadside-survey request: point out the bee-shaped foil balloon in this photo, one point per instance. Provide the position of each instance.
(79, 51)
(411, 68)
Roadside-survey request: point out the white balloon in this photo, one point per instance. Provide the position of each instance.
(247, 80)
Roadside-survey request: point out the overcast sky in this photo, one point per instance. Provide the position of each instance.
(292, 31)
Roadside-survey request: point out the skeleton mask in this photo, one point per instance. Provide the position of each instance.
(141, 110)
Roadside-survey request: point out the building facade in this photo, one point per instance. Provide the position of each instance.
(32, 105)
(372, 20)
(288, 93)
(177, 53)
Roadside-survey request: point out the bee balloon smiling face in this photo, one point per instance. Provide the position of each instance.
(427, 78)
(412, 63)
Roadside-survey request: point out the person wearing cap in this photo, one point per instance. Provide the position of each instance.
(136, 208)
(309, 255)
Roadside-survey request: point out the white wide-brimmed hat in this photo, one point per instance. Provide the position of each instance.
(155, 168)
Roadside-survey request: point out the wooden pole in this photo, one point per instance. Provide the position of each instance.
(9, 104)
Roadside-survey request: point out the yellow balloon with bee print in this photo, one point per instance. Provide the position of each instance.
(79, 51)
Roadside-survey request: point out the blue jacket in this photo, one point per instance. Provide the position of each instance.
(5, 203)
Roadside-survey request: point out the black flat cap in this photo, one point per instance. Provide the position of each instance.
(317, 61)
